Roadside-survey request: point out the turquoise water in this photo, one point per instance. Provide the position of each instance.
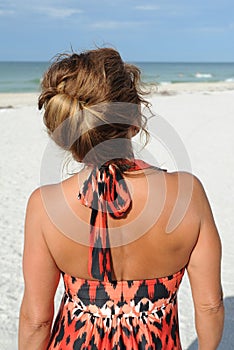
(21, 76)
(26, 76)
(186, 72)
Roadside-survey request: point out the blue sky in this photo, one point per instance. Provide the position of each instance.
(154, 30)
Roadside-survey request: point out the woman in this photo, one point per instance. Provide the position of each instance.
(105, 229)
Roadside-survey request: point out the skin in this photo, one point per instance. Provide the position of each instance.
(193, 243)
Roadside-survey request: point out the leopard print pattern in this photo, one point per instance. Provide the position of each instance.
(118, 315)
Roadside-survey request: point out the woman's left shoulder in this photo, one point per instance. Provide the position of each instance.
(37, 197)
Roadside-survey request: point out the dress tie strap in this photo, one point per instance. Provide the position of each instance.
(105, 192)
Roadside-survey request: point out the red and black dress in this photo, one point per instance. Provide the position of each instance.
(105, 313)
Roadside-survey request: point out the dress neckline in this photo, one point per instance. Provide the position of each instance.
(129, 281)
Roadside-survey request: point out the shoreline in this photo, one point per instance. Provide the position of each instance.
(10, 100)
(18, 99)
(168, 89)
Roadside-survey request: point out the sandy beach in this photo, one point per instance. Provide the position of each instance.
(200, 120)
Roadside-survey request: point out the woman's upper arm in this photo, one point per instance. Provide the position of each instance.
(204, 267)
(41, 274)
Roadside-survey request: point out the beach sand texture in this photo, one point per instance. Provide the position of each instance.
(201, 118)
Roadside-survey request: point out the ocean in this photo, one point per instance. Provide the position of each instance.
(26, 76)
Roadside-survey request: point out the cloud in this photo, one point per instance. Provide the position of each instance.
(45, 8)
(59, 12)
(115, 24)
(147, 7)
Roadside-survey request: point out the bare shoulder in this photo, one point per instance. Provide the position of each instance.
(184, 176)
(185, 179)
(188, 190)
(36, 198)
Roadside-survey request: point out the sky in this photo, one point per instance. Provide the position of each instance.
(141, 30)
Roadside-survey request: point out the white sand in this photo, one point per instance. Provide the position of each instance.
(204, 122)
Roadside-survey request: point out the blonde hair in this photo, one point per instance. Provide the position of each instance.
(90, 98)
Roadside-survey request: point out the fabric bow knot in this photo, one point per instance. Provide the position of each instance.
(105, 191)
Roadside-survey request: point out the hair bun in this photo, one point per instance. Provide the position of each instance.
(61, 87)
(82, 93)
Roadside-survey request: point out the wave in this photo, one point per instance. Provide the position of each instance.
(229, 80)
(203, 75)
(165, 82)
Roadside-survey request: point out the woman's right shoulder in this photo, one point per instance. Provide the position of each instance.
(184, 177)
(189, 186)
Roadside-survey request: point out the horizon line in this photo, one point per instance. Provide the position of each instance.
(127, 61)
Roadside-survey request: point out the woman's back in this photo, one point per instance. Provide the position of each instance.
(120, 232)
(147, 264)
(141, 246)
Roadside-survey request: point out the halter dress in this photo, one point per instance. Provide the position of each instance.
(103, 313)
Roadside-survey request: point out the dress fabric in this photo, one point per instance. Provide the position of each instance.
(105, 192)
(140, 314)
(102, 313)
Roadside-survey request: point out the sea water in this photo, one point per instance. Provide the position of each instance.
(26, 76)
(157, 72)
(21, 76)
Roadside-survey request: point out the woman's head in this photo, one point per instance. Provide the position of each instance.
(90, 98)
